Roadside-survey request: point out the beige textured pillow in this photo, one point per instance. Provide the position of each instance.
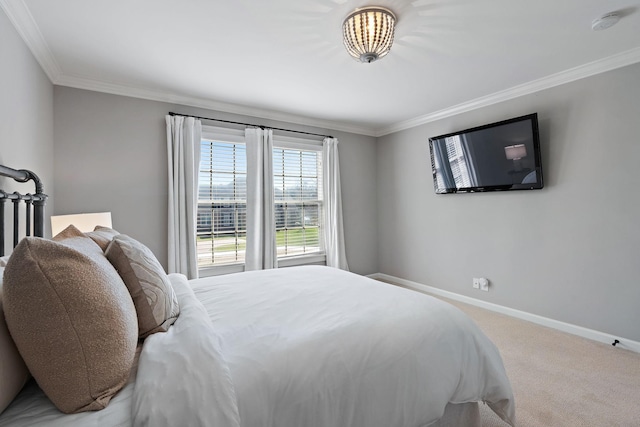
(156, 302)
(102, 236)
(13, 371)
(71, 318)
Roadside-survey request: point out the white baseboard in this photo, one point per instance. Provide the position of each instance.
(540, 320)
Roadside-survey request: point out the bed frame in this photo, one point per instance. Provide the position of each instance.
(34, 206)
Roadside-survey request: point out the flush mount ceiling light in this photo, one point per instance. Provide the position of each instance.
(368, 33)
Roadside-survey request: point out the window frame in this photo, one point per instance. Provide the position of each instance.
(230, 135)
(303, 144)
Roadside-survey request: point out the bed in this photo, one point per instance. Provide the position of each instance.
(33, 206)
(301, 346)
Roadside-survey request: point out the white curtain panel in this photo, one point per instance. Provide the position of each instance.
(183, 147)
(261, 238)
(334, 229)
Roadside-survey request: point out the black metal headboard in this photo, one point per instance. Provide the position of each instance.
(34, 203)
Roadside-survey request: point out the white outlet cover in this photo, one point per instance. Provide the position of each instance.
(484, 284)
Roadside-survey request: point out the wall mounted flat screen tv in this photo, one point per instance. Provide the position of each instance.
(495, 157)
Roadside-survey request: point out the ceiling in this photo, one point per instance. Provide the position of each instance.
(284, 59)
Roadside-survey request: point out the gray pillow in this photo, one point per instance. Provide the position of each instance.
(156, 302)
(102, 236)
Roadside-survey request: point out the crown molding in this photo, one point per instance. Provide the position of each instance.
(209, 104)
(21, 18)
(596, 67)
(592, 68)
(587, 70)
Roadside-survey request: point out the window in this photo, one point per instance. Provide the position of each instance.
(297, 185)
(458, 161)
(222, 198)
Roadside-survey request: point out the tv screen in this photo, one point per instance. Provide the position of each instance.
(495, 157)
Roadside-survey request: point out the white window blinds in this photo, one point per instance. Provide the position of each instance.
(297, 182)
(222, 200)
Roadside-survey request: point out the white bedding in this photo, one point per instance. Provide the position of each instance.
(316, 346)
(183, 378)
(305, 346)
(34, 409)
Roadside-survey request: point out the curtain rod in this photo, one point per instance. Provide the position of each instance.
(249, 124)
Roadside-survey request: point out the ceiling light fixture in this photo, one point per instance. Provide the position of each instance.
(368, 33)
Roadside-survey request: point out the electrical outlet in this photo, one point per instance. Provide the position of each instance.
(484, 284)
(476, 283)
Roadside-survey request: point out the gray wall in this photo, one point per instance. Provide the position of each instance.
(110, 155)
(26, 114)
(567, 252)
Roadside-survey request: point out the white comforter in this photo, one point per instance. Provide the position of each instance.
(183, 379)
(299, 347)
(316, 346)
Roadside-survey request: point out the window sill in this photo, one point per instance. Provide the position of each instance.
(319, 259)
(220, 270)
(302, 260)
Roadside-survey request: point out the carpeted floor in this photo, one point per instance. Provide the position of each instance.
(559, 379)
